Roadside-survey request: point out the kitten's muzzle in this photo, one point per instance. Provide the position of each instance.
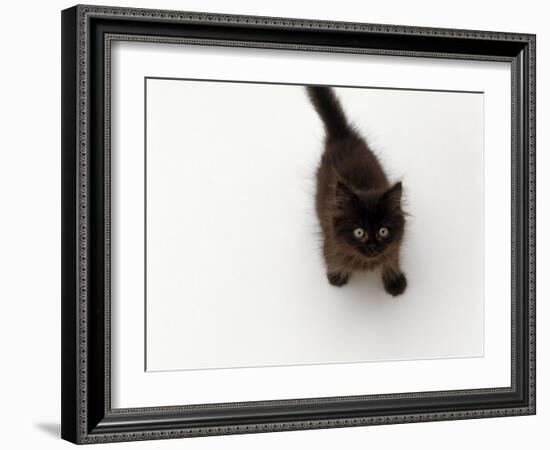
(370, 250)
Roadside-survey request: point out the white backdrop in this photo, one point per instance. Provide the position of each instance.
(29, 182)
(234, 270)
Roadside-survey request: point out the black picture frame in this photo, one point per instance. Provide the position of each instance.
(87, 416)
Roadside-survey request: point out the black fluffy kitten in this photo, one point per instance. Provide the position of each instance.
(359, 212)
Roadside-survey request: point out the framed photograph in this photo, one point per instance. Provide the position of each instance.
(277, 224)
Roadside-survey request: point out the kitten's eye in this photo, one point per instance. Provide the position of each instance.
(383, 232)
(359, 233)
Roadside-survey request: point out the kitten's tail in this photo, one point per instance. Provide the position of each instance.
(330, 110)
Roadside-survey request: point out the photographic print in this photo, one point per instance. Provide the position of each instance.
(276, 224)
(290, 224)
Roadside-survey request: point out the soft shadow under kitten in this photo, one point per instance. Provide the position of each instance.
(359, 212)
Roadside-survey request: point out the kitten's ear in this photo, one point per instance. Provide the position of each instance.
(343, 194)
(393, 195)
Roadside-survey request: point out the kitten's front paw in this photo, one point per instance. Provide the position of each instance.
(337, 278)
(396, 285)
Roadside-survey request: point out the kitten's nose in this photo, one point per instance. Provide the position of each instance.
(371, 245)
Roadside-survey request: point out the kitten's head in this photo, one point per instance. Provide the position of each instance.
(369, 223)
